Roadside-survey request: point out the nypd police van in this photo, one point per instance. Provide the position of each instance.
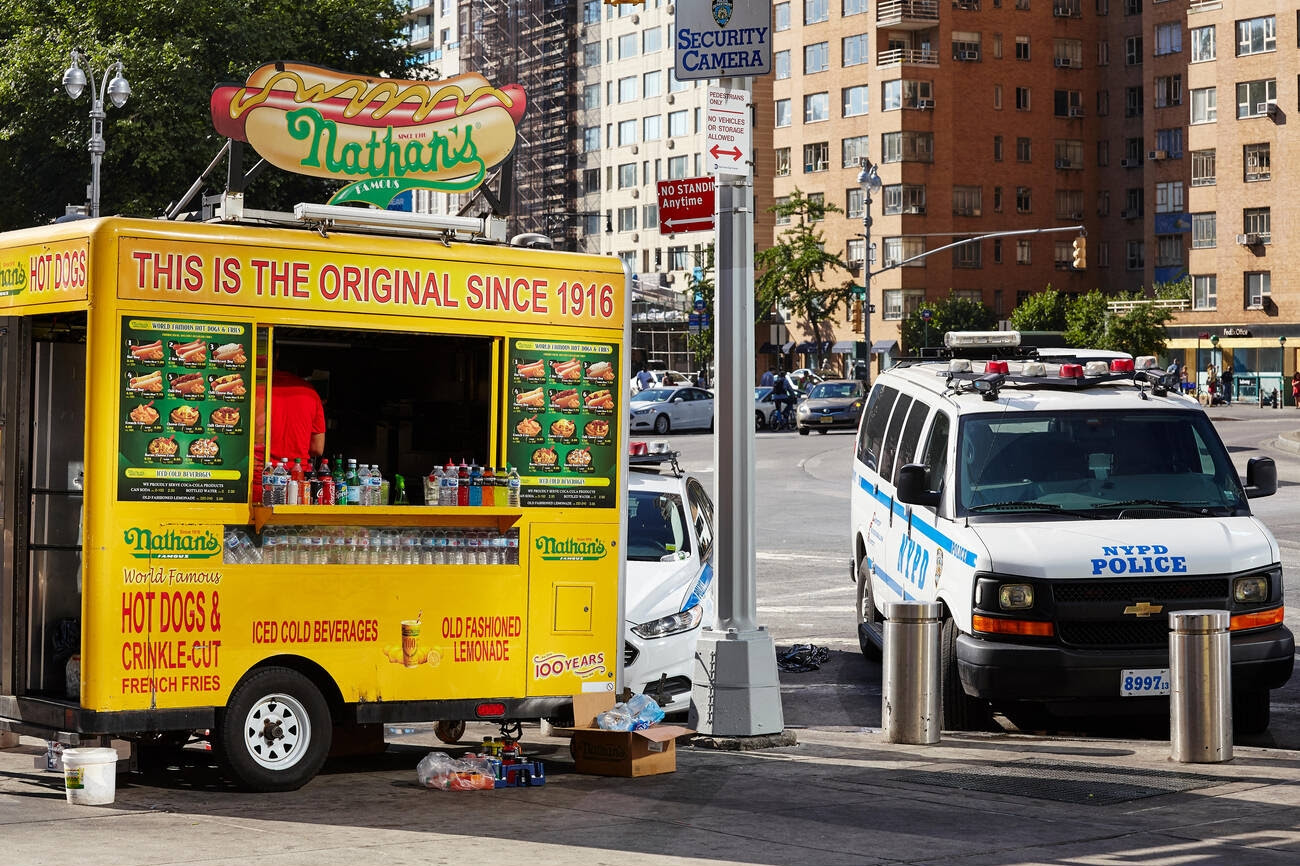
(1059, 511)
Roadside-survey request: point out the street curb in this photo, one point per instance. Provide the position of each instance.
(746, 744)
(1289, 442)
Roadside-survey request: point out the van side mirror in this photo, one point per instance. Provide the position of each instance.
(912, 487)
(1261, 477)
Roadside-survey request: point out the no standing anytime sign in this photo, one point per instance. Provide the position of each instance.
(686, 205)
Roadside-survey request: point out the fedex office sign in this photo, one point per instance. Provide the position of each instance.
(721, 39)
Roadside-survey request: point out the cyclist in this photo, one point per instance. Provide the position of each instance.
(781, 398)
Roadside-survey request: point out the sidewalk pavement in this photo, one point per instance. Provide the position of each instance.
(1242, 410)
(839, 796)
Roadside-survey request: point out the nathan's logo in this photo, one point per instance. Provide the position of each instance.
(411, 134)
(570, 548)
(172, 544)
(13, 277)
(558, 664)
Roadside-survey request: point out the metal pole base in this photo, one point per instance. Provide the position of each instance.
(735, 691)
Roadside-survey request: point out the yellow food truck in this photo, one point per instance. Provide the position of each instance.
(152, 587)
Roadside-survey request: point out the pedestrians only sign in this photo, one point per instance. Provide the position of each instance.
(723, 38)
(727, 145)
(686, 205)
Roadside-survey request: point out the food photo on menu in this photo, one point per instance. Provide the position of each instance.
(599, 401)
(528, 427)
(184, 415)
(188, 385)
(152, 351)
(566, 371)
(144, 414)
(596, 429)
(148, 383)
(193, 352)
(531, 399)
(229, 355)
(565, 400)
(531, 371)
(563, 429)
(600, 371)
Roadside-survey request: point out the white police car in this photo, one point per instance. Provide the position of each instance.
(1059, 512)
(669, 590)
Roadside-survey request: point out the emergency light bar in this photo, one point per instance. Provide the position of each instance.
(969, 339)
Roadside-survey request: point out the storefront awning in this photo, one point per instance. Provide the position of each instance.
(843, 347)
(787, 348)
(807, 346)
(768, 349)
(881, 347)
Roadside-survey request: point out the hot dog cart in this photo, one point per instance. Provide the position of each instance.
(145, 591)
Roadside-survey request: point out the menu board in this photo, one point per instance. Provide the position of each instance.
(562, 422)
(186, 406)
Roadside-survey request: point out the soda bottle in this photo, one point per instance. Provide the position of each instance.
(313, 486)
(450, 481)
(489, 487)
(267, 493)
(295, 488)
(475, 485)
(340, 485)
(326, 484)
(354, 483)
(462, 484)
(514, 482)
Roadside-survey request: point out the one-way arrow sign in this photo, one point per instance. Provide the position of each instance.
(686, 205)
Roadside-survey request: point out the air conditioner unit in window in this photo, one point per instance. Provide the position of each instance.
(1062, 163)
(1076, 111)
(1129, 163)
(1129, 213)
(1060, 12)
(916, 208)
(1249, 239)
(1156, 154)
(968, 55)
(925, 103)
(1064, 63)
(1262, 108)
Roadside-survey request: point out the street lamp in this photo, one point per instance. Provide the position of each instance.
(74, 81)
(869, 180)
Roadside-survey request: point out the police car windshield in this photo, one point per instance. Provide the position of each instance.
(656, 526)
(1116, 463)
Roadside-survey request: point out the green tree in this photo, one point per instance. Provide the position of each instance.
(949, 314)
(792, 271)
(175, 52)
(700, 340)
(1181, 290)
(1042, 311)
(1140, 331)
(1086, 320)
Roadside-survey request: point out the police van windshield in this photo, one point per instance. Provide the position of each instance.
(1103, 464)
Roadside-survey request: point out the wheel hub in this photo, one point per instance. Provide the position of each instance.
(277, 732)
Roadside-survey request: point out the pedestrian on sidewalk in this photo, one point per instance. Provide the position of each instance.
(1211, 383)
(1295, 388)
(1226, 380)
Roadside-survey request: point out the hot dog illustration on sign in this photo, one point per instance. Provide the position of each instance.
(385, 135)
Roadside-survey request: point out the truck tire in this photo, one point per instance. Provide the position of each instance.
(867, 616)
(450, 732)
(961, 712)
(274, 734)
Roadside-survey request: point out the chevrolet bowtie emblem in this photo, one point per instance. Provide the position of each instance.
(1143, 608)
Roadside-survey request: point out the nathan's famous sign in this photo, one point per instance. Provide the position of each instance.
(383, 134)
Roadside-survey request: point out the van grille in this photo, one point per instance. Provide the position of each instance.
(1210, 588)
(1089, 613)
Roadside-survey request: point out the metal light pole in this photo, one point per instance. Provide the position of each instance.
(74, 81)
(869, 180)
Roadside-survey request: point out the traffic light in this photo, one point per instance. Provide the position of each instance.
(1080, 253)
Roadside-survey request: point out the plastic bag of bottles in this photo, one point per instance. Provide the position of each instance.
(616, 718)
(443, 772)
(645, 712)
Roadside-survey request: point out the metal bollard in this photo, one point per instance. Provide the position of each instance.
(911, 709)
(1200, 700)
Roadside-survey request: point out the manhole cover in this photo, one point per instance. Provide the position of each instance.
(1066, 783)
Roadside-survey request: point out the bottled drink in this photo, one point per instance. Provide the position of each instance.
(313, 487)
(354, 484)
(363, 485)
(499, 549)
(433, 486)
(512, 547)
(502, 484)
(340, 485)
(427, 549)
(400, 497)
(455, 547)
(473, 548)
(267, 493)
(475, 485)
(326, 496)
(294, 491)
(280, 483)
(376, 486)
(489, 487)
(462, 484)
(450, 481)
(513, 482)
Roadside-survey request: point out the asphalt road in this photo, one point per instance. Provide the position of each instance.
(805, 595)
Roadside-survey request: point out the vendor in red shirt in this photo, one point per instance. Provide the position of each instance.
(297, 419)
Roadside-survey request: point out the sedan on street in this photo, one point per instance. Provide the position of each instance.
(835, 403)
(664, 409)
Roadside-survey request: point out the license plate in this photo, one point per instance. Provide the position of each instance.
(826, 419)
(1142, 683)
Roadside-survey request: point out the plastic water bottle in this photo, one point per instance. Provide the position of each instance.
(439, 547)
(376, 486)
(447, 494)
(512, 547)
(268, 492)
(433, 486)
(513, 483)
(363, 485)
(280, 484)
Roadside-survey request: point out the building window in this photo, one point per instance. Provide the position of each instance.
(678, 166)
(1170, 141)
(1062, 255)
(855, 100)
(966, 200)
(1103, 153)
(781, 219)
(1258, 289)
(965, 45)
(1134, 255)
(1103, 203)
(652, 127)
(855, 50)
(855, 250)
(1103, 103)
(590, 180)
(1022, 98)
(627, 89)
(1169, 38)
(1169, 251)
(591, 139)
(910, 146)
(1204, 230)
(906, 93)
(1132, 50)
(1205, 107)
(626, 132)
(997, 45)
(652, 39)
(997, 199)
(1169, 91)
(627, 46)
(1023, 151)
(1132, 7)
(675, 86)
(899, 249)
(854, 201)
(997, 148)
(627, 175)
(652, 84)
(1169, 197)
(1022, 47)
(1103, 53)
(591, 54)
(781, 65)
(1102, 254)
(1024, 200)
(1132, 101)
(1066, 103)
(816, 57)
(1257, 161)
(816, 157)
(967, 255)
(816, 11)
(1256, 35)
(781, 112)
(900, 303)
(997, 97)
(1253, 97)
(997, 260)
(904, 198)
(1068, 52)
(816, 107)
(783, 162)
(627, 219)
(1202, 39)
(1205, 293)
(1258, 221)
(853, 150)
(1203, 168)
(781, 17)
(678, 123)
(1069, 204)
(591, 97)
(1023, 252)
(650, 216)
(853, 7)
(1068, 153)
(1133, 150)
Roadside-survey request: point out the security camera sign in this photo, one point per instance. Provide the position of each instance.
(723, 38)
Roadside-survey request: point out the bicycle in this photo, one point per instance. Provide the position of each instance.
(779, 420)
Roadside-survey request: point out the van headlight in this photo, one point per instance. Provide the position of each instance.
(676, 623)
(1015, 596)
(1250, 590)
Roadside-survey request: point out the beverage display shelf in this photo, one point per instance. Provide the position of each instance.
(432, 516)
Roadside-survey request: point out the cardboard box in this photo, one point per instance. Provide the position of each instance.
(620, 753)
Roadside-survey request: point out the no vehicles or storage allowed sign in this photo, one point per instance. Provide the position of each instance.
(727, 144)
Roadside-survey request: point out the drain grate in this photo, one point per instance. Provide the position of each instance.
(1065, 783)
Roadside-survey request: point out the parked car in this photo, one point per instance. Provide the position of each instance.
(663, 379)
(831, 404)
(670, 589)
(763, 406)
(801, 381)
(664, 409)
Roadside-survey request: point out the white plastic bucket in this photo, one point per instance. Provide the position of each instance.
(90, 776)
